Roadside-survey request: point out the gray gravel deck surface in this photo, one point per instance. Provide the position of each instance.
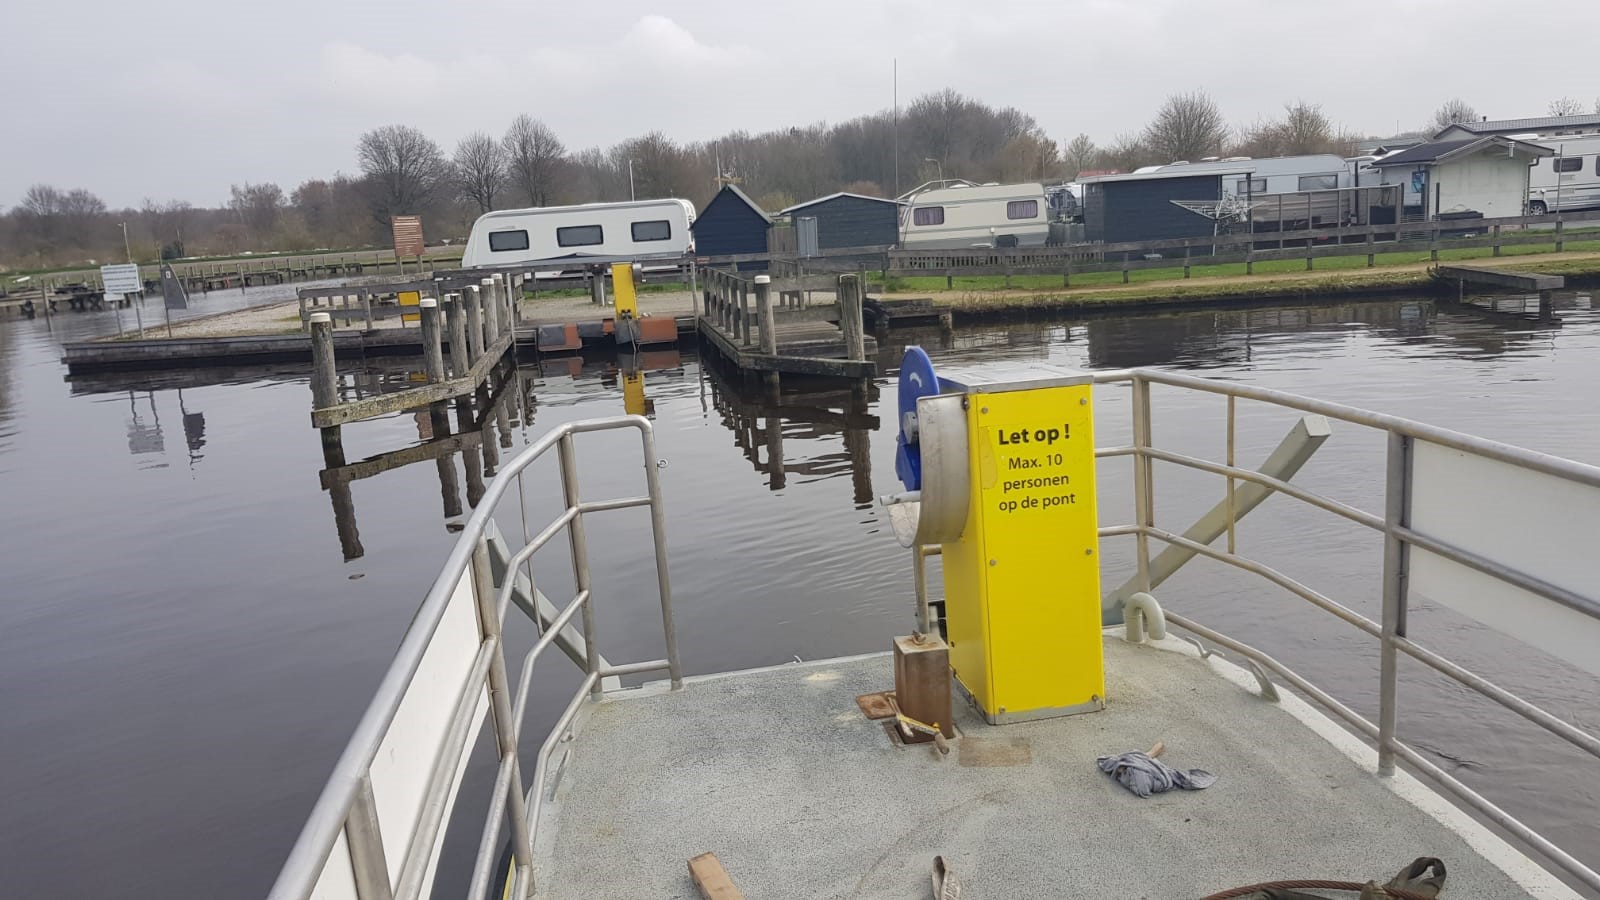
(778, 773)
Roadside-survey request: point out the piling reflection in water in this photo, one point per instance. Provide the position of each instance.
(484, 423)
(761, 423)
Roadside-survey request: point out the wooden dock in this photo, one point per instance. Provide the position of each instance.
(480, 323)
(767, 325)
(1478, 276)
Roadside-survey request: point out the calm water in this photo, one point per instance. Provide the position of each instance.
(191, 623)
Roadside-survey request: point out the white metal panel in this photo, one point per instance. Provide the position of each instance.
(416, 736)
(1489, 182)
(1537, 524)
(450, 804)
(338, 878)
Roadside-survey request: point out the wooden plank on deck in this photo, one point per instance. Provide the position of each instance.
(713, 880)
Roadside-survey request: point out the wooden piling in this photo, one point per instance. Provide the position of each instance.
(764, 313)
(366, 308)
(456, 322)
(470, 296)
(491, 311)
(850, 317)
(432, 341)
(324, 375)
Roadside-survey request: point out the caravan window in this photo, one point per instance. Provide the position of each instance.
(508, 240)
(1022, 209)
(927, 215)
(1251, 186)
(580, 235)
(1569, 164)
(1319, 182)
(655, 230)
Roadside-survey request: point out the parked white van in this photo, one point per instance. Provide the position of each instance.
(1569, 180)
(641, 229)
(984, 215)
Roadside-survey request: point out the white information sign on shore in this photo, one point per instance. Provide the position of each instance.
(121, 279)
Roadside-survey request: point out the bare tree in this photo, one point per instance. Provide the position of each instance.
(1304, 129)
(1126, 153)
(1566, 106)
(404, 170)
(1079, 155)
(480, 169)
(257, 207)
(533, 157)
(1452, 111)
(1188, 126)
(165, 222)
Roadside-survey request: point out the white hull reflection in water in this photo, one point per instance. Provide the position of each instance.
(239, 604)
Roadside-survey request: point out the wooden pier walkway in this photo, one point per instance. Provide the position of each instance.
(1478, 276)
(480, 321)
(768, 325)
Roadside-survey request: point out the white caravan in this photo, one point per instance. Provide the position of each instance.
(984, 215)
(642, 229)
(1569, 180)
(1274, 175)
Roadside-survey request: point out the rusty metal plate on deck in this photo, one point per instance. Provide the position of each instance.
(877, 706)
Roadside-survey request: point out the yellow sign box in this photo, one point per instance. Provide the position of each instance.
(1023, 582)
(410, 298)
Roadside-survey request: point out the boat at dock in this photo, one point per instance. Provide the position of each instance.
(800, 788)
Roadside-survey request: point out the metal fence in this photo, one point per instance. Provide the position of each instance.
(1517, 563)
(376, 831)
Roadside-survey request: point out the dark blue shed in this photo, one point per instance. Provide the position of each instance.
(850, 220)
(1139, 207)
(732, 223)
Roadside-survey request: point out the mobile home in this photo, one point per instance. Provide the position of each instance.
(643, 229)
(986, 215)
(1569, 180)
(1274, 175)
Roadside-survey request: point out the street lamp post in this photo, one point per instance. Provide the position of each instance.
(125, 246)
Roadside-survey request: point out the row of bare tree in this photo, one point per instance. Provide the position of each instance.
(403, 171)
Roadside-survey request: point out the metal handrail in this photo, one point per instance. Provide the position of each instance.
(1398, 535)
(346, 806)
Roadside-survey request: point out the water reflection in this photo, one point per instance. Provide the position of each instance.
(763, 423)
(484, 423)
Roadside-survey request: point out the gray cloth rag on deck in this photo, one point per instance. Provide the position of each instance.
(1144, 775)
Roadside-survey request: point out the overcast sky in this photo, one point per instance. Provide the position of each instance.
(179, 99)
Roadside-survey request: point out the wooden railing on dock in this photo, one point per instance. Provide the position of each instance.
(480, 321)
(767, 324)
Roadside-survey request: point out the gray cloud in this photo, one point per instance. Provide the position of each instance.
(179, 99)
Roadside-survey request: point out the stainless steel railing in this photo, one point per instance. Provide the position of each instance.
(1404, 436)
(347, 846)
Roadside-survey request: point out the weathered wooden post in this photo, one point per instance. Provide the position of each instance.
(769, 331)
(597, 287)
(366, 308)
(1497, 240)
(432, 341)
(747, 318)
(491, 312)
(850, 317)
(1186, 259)
(469, 296)
(1372, 255)
(694, 290)
(456, 322)
(305, 325)
(324, 376)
